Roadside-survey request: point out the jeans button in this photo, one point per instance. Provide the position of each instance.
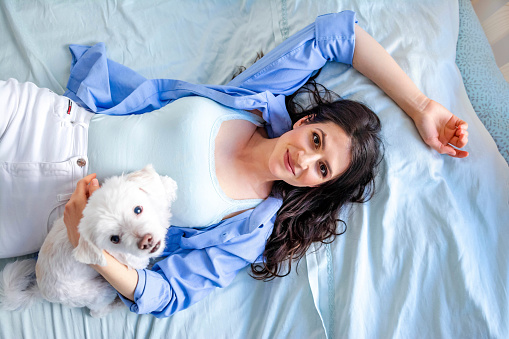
(81, 162)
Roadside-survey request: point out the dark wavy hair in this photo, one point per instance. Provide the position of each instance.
(311, 214)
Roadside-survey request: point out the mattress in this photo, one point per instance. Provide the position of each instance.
(426, 257)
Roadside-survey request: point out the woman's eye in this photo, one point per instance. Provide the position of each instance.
(115, 239)
(323, 170)
(138, 209)
(316, 139)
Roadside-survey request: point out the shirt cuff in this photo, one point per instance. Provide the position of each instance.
(140, 287)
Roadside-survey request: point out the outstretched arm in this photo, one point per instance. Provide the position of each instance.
(438, 127)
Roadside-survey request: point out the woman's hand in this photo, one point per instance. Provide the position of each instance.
(74, 208)
(440, 129)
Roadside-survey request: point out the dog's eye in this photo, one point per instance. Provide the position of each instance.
(115, 239)
(138, 209)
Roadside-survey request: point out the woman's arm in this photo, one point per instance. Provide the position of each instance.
(123, 279)
(438, 127)
(211, 259)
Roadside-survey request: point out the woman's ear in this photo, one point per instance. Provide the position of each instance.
(302, 121)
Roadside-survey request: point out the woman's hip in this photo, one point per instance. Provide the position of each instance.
(43, 153)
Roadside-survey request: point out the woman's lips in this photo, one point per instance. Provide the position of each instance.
(288, 162)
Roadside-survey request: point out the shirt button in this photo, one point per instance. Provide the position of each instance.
(81, 162)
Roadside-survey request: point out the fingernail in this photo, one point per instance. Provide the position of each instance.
(95, 182)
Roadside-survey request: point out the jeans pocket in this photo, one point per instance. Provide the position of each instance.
(30, 200)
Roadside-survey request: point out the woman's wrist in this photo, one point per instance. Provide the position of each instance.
(416, 108)
(122, 278)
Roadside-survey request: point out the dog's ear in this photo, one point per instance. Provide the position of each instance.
(147, 173)
(88, 253)
(147, 178)
(170, 188)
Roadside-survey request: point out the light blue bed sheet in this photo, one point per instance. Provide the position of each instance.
(201, 42)
(427, 256)
(412, 264)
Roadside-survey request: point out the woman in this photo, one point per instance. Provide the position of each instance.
(186, 276)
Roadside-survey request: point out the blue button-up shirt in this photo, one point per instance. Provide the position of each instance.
(200, 260)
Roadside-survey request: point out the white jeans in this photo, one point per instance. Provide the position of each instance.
(43, 154)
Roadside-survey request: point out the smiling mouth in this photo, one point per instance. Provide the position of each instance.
(288, 162)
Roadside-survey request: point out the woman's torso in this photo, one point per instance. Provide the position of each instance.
(179, 141)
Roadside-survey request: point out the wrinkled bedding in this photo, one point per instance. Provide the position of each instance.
(426, 257)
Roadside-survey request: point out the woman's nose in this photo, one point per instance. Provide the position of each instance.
(307, 159)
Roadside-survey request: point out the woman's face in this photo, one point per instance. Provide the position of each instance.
(310, 154)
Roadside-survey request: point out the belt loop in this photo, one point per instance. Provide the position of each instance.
(64, 197)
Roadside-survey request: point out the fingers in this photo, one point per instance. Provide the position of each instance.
(460, 124)
(81, 186)
(73, 211)
(461, 154)
(441, 148)
(88, 178)
(454, 152)
(447, 149)
(86, 186)
(459, 139)
(78, 200)
(445, 138)
(93, 186)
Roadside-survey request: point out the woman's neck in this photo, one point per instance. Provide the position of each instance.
(253, 160)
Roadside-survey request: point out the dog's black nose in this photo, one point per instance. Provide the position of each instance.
(146, 242)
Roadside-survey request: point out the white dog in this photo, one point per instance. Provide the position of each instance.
(128, 217)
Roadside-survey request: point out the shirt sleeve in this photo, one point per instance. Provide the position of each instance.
(107, 87)
(287, 67)
(195, 269)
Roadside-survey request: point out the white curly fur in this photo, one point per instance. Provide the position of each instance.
(62, 272)
(18, 276)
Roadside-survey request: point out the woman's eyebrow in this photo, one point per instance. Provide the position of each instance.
(323, 149)
(323, 137)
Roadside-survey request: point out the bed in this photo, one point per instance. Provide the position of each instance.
(426, 257)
